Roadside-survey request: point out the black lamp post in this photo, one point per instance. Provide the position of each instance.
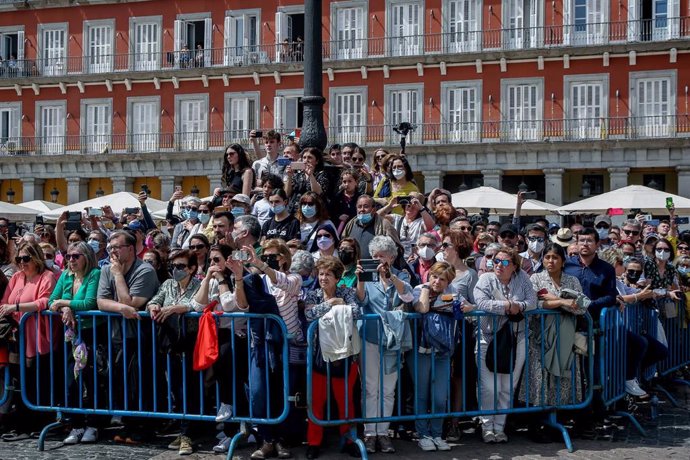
(54, 195)
(10, 195)
(100, 192)
(313, 130)
(194, 191)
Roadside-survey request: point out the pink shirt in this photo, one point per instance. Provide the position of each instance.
(38, 290)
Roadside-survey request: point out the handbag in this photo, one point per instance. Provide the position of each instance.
(505, 344)
(206, 347)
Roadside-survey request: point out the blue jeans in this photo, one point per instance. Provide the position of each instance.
(436, 389)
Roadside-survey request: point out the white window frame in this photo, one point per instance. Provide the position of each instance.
(671, 30)
(354, 133)
(198, 138)
(55, 144)
(405, 45)
(360, 50)
(473, 131)
(143, 142)
(283, 26)
(152, 64)
(240, 135)
(11, 30)
(587, 128)
(244, 53)
(108, 58)
(414, 137)
(13, 142)
(658, 125)
(181, 38)
(531, 32)
(596, 25)
(522, 130)
(280, 109)
(94, 143)
(54, 65)
(474, 35)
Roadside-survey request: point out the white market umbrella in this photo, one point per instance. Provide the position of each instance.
(647, 199)
(17, 213)
(498, 202)
(117, 201)
(40, 205)
(160, 215)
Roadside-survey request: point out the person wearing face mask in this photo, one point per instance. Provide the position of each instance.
(325, 242)
(240, 205)
(660, 271)
(368, 224)
(349, 255)
(424, 255)
(415, 220)
(97, 242)
(189, 226)
(174, 298)
(536, 236)
(282, 225)
(486, 263)
(400, 182)
(49, 254)
(312, 214)
(602, 224)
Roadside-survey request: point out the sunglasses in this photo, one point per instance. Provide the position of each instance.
(683, 248)
(48, 256)
(324, 235)
(634, 272)
(197, 247)
(663, 250)
(508, 236)
(465, 228)
(216, 260)
(357, 160)
(178, 266)
(631, 232)
(22, 259)
(75, 256)
(602, 226)
(504, 262)
(205, 211)
(189, 208)
(270, 257)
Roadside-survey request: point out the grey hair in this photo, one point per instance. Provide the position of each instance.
(84, 249)
(632, 260)
(302, 262)
(493, 247)
(129, 238)
(251, 224)
(383, 244)
(192, 199)
(632, 223)
(431, 236)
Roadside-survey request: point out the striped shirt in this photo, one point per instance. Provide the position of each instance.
(287, 290)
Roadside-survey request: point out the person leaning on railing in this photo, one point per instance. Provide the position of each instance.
(551, 377)
(76, 291)
(174, 298)
(27, 292)
(506, 291)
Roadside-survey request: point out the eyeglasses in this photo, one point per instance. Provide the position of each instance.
(425, 245)
(74, 256)
(48, 256)
(535, 238)
(197, 247)
(683, 248)
(631, 232)
(190, 208)
(216, 260)
(586, 241)
(178, 266)
(357, 160)
(504, 262)
(118, 247)
(664, 250)
(22, 259)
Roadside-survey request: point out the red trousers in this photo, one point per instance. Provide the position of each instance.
(319, 399)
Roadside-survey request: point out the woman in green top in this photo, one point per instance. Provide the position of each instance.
(76, 291)
(349, 254)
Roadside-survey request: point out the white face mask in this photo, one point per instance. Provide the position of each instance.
(603, 233)
(662, 255)
(427, 253)
(398, 173)
(49, 263)
(535, 246)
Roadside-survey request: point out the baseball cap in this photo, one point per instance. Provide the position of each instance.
(508, 228)
(602, 218)
(241, 198)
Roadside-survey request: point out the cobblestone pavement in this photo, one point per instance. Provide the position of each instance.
(668, 437)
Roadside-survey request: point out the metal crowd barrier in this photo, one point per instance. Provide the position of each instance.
(141, 368)
(520, 382)
(677, 332)
(642, 319)
(6, 385)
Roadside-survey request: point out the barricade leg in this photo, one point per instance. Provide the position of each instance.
(633, 420)
(46, 429)
(552, 421)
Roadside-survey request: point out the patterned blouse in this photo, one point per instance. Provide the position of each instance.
(651, 272)
(316, 306)
(542, 280)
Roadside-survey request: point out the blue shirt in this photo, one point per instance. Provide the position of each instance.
(377, 300)
(598, 281)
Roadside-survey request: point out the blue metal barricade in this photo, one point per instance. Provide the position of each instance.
(677, 334)
(642, 319)
(544, 367)
(142, 368)
(6, 386)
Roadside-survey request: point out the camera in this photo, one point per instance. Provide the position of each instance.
(259, 134)
(284, 161)
(369, 266)
(404, 128)
(73, 221)
(131, 210)
(240, 255)
(95, 212)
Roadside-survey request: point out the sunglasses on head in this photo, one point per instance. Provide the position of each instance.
(22, 259)
(74, 256)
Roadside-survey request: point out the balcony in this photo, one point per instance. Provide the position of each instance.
(546, 37)
(534, 131)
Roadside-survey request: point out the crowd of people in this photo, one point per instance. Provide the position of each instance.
(304, 227)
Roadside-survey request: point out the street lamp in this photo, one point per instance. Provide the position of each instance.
(313, 131)
(54, 195)
(586, 189)
(10, 195)
(194, 191)
(523, 187)
(100, 192)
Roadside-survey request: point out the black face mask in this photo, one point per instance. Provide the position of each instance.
(633, 277)
(272, 261)
(347, 257)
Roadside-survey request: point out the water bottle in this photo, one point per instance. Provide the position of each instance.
(654, 407)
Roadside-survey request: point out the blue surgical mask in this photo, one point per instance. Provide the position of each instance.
(192, 214)
(184, 214)
(308, 211)
(683, 270)
(364, 219)
(204, 218)
(308, 281)
(95, 245)
(489, 264)
(277, 209)
(237, 211)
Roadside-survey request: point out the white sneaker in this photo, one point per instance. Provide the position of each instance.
(90, 435)
(488, 436)
(223, 445)
(501, 437)
(426, 444)
(441, 444)
(74, 436)
(633, 387)
(116, 420)
(224, 413)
